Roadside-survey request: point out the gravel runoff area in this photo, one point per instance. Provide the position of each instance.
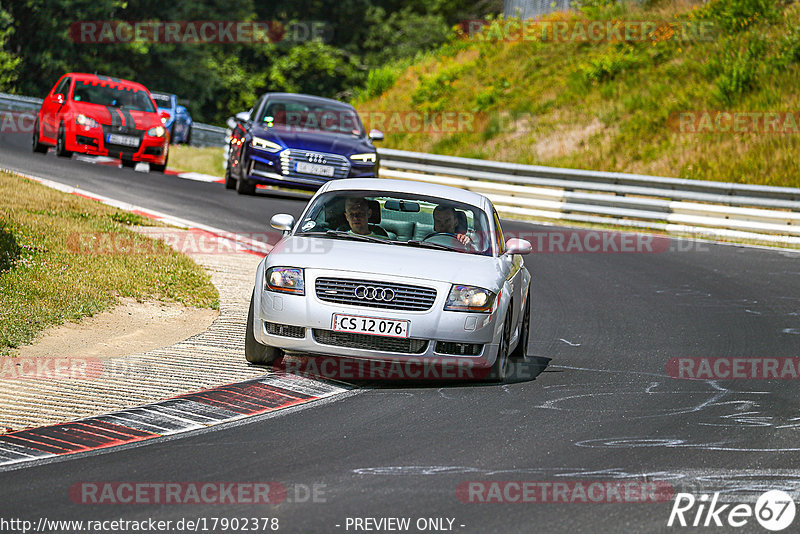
(86, 386)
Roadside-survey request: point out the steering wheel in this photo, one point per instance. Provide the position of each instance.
(447, 239)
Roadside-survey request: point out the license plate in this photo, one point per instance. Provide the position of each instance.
(314, 168)
(125, 140)
(374, 326)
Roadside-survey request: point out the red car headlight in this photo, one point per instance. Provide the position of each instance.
(157, 131)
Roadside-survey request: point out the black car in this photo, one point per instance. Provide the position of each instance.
(300, 141)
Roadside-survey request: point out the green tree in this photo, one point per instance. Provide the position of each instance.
(8, 60)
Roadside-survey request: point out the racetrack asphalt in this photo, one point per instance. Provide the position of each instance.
(593, 401)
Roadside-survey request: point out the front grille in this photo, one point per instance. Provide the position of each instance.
(284, 330)
(364, 341)
(116, 149)
(83, 140)
(404, 297)
(290, 158)
(458, 349)
(153, 150)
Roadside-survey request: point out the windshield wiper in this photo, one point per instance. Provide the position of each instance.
(428, 244)
(347, 235)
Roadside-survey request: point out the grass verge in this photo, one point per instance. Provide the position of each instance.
(615, 104)
(45, 280)
(205, 160)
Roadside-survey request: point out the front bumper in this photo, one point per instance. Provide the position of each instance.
(315, 319)
(92, 141)
(271, 168)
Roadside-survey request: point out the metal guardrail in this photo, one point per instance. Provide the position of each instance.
(202, 134)
(762, 213)
(720, 209)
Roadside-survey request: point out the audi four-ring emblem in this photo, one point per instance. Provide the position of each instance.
(375, 293)
(316, 158)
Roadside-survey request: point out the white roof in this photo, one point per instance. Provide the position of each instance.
(408, 186)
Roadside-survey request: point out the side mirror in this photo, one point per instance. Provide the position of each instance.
(282, 221)
(242, 116)
(518, 246)
(164, 116)
(57, 98)
(375, 135)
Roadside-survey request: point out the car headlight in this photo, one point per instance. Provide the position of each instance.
(469, 299)
(371, 157)
(284, 280)
(265, 144)
(85, 121)
(157, 131)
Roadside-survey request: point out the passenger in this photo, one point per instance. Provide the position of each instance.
(357, 212)
(445, 221)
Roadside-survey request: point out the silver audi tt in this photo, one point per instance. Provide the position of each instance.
(393, 270)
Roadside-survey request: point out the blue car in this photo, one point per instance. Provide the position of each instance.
(298, 141)
(179, 122)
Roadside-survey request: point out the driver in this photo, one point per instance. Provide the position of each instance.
(445, 221)
(357, 212)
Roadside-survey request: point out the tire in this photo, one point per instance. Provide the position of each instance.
(245, 186)
(160, 168)
(522, 344)
(188, 139)
(230, 183)
(38, 147)
(500, 366)
(128, 163)
(255, 352)
(61, 152)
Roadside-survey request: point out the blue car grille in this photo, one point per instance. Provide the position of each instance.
(356, 292)
(291, 157)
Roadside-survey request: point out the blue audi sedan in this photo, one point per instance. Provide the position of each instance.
(298, 141)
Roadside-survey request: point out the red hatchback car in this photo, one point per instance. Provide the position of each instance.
(102, 116)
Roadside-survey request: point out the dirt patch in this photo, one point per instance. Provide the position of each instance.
(564, 142)
(129, 328)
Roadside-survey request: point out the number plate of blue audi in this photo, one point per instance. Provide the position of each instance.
(357, 324)
(313, 168)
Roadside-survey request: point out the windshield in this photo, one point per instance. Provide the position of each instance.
(399, 219)
(162, 101)
(114, 96)
(310, 116)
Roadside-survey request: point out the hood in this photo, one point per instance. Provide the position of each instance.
(316, 141)
(355, 257)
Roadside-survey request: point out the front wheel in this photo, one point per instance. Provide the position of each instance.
(38, 147)
(500, 367)
(525, 330)
(254, 351)
(61, 151)
(245, 186)
(160, 168)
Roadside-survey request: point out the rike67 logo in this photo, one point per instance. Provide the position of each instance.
(774, 510)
